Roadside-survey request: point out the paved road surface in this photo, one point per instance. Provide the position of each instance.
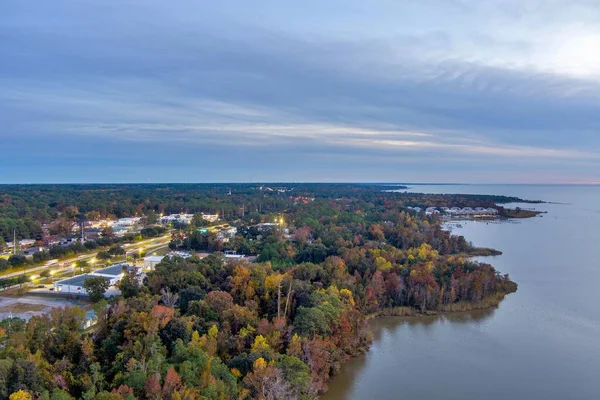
(149, 245)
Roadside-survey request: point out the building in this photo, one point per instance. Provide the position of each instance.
(151, 261)
(74, 285)
(32, 250)
(127, 222)
(232, 255)
(265, 226)
(90, 319)
(210, 217)
(26, 243)
(431, 211)
(114, 272)
(179, 218)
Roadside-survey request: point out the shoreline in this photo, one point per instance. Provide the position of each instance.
(489, 303)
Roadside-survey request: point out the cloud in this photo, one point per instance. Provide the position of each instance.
(479, 82)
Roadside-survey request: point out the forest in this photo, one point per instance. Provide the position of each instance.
(25, 208)
(275, 328)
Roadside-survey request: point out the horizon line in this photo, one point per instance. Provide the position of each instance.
(312, 182)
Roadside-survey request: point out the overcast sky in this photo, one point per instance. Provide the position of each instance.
(387, 91)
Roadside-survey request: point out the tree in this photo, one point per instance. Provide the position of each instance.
(189, 294)
(267, 382)
(83, 265)
(58, 394)
(175, 329)
(129, 285)
(21, 395)
(108, 232)
(172, 383)
(17, 260)
(116, 251)
(96, 287)
(103, 255)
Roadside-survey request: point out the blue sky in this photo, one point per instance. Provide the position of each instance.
(390, 91)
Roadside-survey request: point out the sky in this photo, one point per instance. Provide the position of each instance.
(254, 91)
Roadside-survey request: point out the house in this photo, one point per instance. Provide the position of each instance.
(26, 243)
(431, 211)
(151, 261)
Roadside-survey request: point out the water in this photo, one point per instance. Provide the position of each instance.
(543, 342)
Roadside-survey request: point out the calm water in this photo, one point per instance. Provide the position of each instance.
(543, 342)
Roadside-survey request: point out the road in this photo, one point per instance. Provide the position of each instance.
(149, 245)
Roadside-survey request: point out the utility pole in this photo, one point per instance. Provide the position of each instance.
(14, 242)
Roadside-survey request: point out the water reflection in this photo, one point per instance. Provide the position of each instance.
(385, 335)
(541, 343)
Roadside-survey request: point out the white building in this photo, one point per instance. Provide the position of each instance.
(74, 285)
(265, 226)
(232, 255)
(180, 218)
(127, 222)
(210, 217)
(151, 261)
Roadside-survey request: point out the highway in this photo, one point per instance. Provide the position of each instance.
(149, 246)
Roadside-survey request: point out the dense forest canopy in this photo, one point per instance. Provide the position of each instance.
(276, 328)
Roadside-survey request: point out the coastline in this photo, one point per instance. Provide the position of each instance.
(488, 303)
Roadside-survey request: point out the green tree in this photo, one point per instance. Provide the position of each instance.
(96, 287)
(129, 285)
(103, 255)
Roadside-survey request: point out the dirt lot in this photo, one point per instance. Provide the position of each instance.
(27, 306)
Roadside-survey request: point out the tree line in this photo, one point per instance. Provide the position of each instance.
(276, 328)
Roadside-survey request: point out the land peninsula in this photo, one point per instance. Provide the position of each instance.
(312, 263)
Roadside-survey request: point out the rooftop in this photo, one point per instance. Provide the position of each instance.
(77, 280)
(114, 270)
(154, 258)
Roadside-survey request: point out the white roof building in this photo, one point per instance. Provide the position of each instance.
(150, 262)
(74, 285)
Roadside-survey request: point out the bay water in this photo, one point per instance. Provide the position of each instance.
(542, 342)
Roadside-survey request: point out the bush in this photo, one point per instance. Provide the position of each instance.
(17, 260)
